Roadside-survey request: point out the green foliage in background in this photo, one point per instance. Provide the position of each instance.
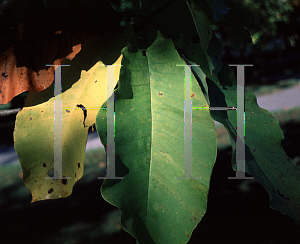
(271, 15)
(274, 19)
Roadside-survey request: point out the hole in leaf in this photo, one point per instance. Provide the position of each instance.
(50, 190)
(64, 181)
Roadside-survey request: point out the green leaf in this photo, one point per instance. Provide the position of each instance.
(265, 158)
(202, 24)
(34, 130)
(201, 78)
(215, 53)
(149, 148)
(208, 51)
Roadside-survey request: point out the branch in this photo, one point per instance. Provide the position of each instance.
(7, 112)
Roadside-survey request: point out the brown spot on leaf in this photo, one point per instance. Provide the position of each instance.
(44, 165)
(50, 190)
(95, 81)
(193, 94)
(75, 175)
(64, 181)
(42, 111)
(188, 235)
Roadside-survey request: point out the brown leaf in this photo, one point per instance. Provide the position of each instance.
(49, 37)
(18, 75)
(23, 65)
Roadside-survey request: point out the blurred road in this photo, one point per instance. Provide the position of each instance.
(8, 154)
(281, 99)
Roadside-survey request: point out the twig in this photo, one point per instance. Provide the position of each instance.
(6, 112)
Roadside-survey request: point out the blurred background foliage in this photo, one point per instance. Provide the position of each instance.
(275, 18)
(276, 27)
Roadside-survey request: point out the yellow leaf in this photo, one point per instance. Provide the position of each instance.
(34, 130)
